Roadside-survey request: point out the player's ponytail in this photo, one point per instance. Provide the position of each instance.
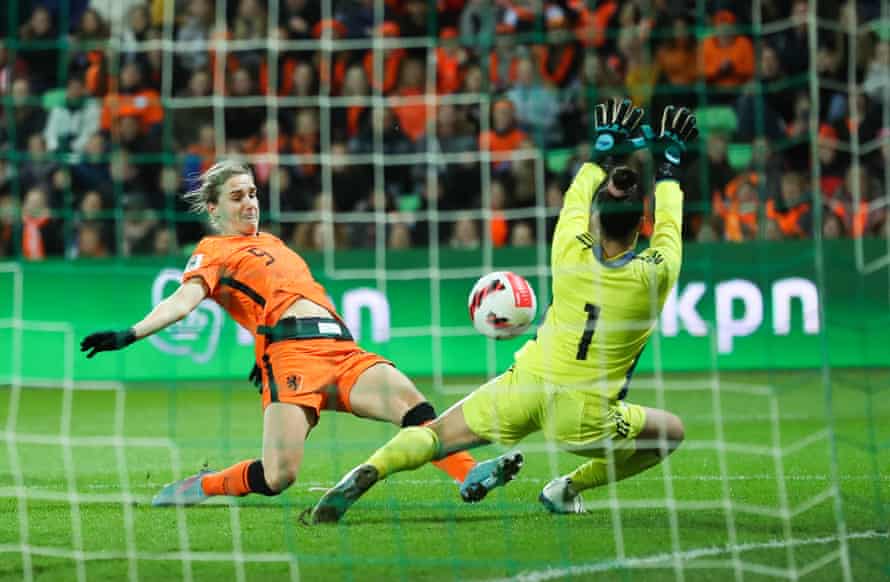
(210, 183)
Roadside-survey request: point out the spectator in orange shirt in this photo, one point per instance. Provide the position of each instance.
(736, 213)
(727, 57)
(450, 57)
(412, 117)
(133, 98)
(504, 137)
(792, 213)
(677, 62)
(498, 228)
(385, 79)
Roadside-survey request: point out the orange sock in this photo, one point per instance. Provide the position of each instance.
(456, 465)
(231, 481)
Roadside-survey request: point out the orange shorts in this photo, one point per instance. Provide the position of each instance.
(314, 373)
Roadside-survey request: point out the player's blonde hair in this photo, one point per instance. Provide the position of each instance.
(211, 182)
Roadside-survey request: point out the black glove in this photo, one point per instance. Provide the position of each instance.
(614, 124)
(677, 130)
(106, 341)
(256, 377)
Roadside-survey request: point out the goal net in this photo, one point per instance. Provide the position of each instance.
(405, 149)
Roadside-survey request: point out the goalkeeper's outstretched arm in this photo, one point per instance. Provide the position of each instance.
(172, 309)
(678, 129)
(614, 124)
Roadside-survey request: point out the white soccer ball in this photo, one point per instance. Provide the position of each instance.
(502, 305)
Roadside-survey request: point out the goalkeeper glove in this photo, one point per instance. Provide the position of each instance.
(677, 131)
(106, 341)
(614, 123)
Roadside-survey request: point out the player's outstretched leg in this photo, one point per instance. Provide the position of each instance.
(558, 496)
(184, 492)
(490, 474)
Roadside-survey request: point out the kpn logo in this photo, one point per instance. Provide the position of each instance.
(196, 336)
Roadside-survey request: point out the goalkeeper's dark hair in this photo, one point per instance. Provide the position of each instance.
(619, 216)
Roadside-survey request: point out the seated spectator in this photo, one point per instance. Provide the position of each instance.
(791, 212)
(305, 141)
(765, 108)
(498, 229)
(349, 120)
(204, 149)
(832, 162)
(414, 18)
(727, 57)
(38, 50)
(522, 234)
(188, 121)
(737, 213)
(296, 19)
(705, 178)
(558, 59)
(249, 25)
(331, 64)
(535, 104)
(135, 32)
(38, 167)
(877, 77)
(11, 68)
(398, 176)
(465, 234)
(596, 82)
(265, 147)
(677, 62)
(8, 215)
(854, 204)
(41, 232)
(399, 236)
(412, 117)
(133, 97)
(386, 79)
(193, 35)
(504, 137)
(642, 73)
(832, 225)
(88, 59)
(242, 121)
(503, 62)
(164, 243)
(90, 243)
(26, 118)
(138, 227)
(793, 44)
(72, 123)
(450, 59)
(350, 182)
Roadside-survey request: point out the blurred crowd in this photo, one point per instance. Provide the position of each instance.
(406, 121)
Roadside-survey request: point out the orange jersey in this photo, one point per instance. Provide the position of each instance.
(254, 278)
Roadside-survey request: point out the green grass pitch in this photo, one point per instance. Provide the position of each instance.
(749, 496)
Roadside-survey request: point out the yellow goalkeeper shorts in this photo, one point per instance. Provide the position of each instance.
(515, 404)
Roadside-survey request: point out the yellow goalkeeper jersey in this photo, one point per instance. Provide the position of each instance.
(603, 311)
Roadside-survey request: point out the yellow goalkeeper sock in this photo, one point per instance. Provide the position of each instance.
(595, 472)
(412, 447)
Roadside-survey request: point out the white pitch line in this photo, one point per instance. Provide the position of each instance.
(314, 486)
(667, 559)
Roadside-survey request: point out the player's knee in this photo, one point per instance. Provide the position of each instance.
(272, 478)
(676, 432)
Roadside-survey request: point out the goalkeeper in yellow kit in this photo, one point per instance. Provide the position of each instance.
(571, 380)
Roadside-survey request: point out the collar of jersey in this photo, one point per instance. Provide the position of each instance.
(622, 260)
